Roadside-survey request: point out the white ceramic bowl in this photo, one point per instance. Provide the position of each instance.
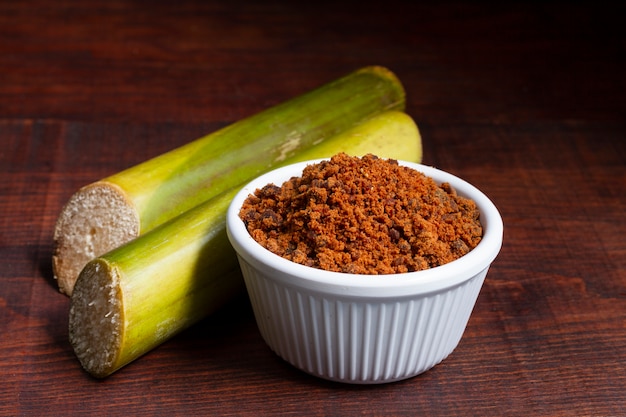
(363, 329)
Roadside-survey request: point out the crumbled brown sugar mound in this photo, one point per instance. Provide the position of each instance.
(363, 215)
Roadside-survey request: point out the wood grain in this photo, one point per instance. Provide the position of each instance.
(524, 99)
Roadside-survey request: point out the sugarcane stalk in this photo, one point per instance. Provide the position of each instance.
(135, 297)
(116, 209)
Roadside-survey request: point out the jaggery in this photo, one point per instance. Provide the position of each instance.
(364, 215)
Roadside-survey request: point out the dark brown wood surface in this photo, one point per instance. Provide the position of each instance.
(526, 100)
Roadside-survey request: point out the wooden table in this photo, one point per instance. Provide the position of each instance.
(526, 100)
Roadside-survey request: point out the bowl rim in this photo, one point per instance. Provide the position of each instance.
(426, 281)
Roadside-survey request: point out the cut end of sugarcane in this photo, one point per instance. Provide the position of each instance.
(98, 218)
(96, 318)
(382, 71)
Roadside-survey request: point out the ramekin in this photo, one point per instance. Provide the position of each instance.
(363, 329)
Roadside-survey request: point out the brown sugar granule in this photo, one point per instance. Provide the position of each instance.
(363, 215)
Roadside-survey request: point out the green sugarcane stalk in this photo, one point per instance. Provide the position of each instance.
(114, 210)
(135, 297)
